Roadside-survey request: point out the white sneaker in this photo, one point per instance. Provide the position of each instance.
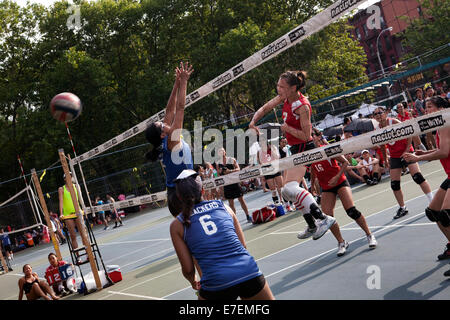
(323, 227)
(307, 233)
(372, 241)
(342, 248)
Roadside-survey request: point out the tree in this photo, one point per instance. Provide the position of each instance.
(429, 31)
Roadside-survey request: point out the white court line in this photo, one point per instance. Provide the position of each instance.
(326, 252)
(334, 249)
(135, 241)
(151, 279)
(134, 295)
(289, 226)
(371, 227)
(159, 252)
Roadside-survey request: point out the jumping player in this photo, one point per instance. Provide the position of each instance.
(297, 130)
(333, 183)
(208, 235)
(396, 150)
(165, 137)
(439, 209)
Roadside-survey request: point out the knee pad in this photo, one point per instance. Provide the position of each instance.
(444, 217)
(301, 198)
(432, 215)
(395, 185)
(353, 213)
(418, 178)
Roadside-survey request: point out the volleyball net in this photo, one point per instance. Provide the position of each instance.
(141, 180)
(21, 214)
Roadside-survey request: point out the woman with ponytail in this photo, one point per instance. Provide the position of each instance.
(207, 235)
(165, 138)
(297, 130)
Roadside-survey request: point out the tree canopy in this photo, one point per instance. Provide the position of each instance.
(120, 62)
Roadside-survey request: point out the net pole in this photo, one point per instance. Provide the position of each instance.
(79, 220)
(5, 266)
(82, 174)
(77, 185)
(37, 185)
(33, 204)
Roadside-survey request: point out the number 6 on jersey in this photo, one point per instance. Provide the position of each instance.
(209, 226)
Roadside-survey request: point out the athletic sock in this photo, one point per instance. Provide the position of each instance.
(365, 177)
(429, 197)
(375, 176)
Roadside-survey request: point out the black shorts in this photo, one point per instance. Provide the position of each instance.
(232, 191)
(173, 202)
(246, 289)
(446, 184)
(271, 176)
(298, 148)
(398, 163)
(335, 189)
(7, 247)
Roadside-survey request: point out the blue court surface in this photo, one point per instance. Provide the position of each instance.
(403, 266)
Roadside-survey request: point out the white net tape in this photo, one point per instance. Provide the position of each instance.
(403, 130)
(290, 39)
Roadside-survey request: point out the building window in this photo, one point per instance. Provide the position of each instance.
(382, 23)
(419, 10)
(387, 43)
(393, 60)
(372, 52)
(358, 33)
(366, 32)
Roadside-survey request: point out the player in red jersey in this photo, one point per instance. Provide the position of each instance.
(396, 151)
(297, 130)
(439, 209)
(403, 115)
(333, 183)
(60, 283)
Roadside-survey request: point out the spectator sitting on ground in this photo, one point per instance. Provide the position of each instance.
(369, 168)
(33, 287)
(55, 279)
(351, 169)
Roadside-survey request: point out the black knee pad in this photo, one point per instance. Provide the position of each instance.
(418, 178)
(432, 215)
(395, 185)
(444, 217)
(316, 212)
(353, 213)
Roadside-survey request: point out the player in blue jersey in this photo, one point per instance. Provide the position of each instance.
(165, 137)
(207, 235)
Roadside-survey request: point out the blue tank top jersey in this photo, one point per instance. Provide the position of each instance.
(213, 241)
(176, 161)
(99, 203)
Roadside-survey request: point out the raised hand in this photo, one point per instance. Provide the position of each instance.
(185, 70)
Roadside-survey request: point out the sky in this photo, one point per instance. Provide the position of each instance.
(50, 2)
(44, 2)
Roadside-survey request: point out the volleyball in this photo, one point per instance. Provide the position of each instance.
(65, 107)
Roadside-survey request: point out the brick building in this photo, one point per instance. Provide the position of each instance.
(389, 42)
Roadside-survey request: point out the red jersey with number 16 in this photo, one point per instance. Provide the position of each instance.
(292, 119)
(446, 161)
(325, 170)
